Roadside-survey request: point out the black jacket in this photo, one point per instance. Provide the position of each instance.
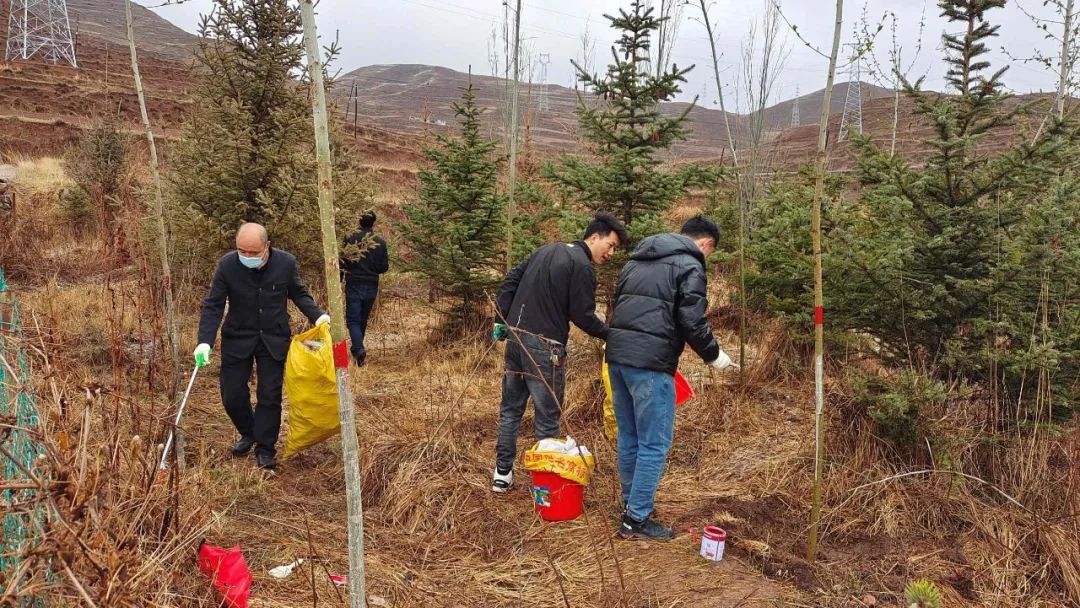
(660, 306)
(372, 263)
(257, 305)
(554, 286)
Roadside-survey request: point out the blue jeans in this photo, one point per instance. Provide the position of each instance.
(359, 300)
(644, 403)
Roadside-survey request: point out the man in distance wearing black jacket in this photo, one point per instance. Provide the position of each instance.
(660, 304)
(537, 301)
(361, 276)
(256, 280)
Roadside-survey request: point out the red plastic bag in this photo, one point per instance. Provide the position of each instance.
(683, 391)
(229, 571)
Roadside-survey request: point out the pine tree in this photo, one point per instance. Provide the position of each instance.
(98, 165)
(948, 263)
(627, 130)
(247, 152)
(454, 228)
(927, 282)
(955, 262)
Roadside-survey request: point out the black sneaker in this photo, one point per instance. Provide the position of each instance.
(243, 446)
(265, 461)
(647, 529)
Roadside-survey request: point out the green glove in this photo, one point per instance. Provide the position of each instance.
(500, 332)
(202, 355)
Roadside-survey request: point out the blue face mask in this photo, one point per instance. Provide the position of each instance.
(251, 262)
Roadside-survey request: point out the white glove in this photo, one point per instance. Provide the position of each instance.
(202, 355)
(323, 320)
(723, 362)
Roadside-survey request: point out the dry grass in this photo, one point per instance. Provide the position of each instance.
(436, 536)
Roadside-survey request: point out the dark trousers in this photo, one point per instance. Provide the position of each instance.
(264, 424)
(536, 368)
(359, 300)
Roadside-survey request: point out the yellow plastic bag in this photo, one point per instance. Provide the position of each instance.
(575, 467)
(611, 426)
(311, 388)
(683, 393)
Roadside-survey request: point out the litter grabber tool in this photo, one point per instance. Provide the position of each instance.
(163, 466)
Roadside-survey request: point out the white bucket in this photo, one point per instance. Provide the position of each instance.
(712, 543)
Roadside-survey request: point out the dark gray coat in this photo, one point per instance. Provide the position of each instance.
(660, 304)
(258, 305)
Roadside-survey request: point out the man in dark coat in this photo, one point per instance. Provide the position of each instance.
(255, 281)
(660, 304)
(361, 275)
(536, 303)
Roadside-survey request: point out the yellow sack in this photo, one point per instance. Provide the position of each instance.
(575, 467)
(311, 387)
(611, 426)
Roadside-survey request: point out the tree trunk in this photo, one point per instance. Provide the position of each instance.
(349, 444)
(1065, 68)
(512, 178)
(163, 241)
(819, 313)
(738, 189)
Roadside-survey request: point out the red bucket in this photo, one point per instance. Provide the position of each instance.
(683, 391)
(556, 498)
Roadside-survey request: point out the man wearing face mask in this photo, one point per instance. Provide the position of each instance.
(537, 302)
(255, 280)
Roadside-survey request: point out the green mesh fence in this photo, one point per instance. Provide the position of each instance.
(23, 513)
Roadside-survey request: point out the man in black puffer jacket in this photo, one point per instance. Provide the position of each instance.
(660, 304)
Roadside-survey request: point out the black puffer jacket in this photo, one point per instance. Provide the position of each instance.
(660, 306)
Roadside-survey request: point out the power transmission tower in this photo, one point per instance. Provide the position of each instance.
(852, 118)
(40, 27)
(795, 109)
(542, 97)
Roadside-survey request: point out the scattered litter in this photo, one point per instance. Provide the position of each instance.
(339, 579)
(286, 570)
(229, 573)
(378, 601)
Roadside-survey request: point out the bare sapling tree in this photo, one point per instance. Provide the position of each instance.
(587, 57)
(819, 311)
(1063, 30)
(511, 182)
(349, 443)
(893, 74)
(711, 30)
(763, 57)
(671, 15)
(159, 216)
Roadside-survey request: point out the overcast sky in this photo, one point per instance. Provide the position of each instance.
(456, 34)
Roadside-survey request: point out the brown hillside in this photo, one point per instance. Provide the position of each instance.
(416, 99)
(104, 20)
